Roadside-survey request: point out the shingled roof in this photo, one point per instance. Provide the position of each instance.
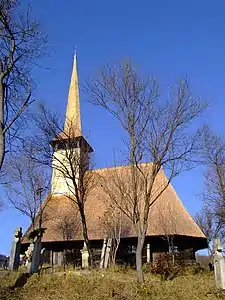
(167, 216)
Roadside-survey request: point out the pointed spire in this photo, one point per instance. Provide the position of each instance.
(73, 119)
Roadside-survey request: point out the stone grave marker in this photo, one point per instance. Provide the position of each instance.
(219, 265)
(14, 259)
(34, 255)
(85, 257)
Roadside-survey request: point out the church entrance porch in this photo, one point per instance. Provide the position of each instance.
(70, 252)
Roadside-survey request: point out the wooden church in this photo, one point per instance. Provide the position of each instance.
(168, 218)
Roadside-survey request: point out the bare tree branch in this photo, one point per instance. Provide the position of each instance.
(21, 44)
(27, 188)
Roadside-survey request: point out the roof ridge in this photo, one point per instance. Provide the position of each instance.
(118, 167)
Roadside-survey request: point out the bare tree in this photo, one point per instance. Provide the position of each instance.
(116, 227)
(69, 157)
(69, 226)
(155, 131)
(211, 225)
(169, 227)
(21, 44)
(211, 218)
(27, 188)
(214, 155)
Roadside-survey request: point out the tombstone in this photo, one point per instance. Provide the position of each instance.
(148, 253)
(14, 259)
(85, 257)
(35, 258)
(219, 265)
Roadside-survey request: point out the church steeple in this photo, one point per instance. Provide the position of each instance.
(70, 139)
(73, 119)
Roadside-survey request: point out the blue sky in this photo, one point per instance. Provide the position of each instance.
(166, 39)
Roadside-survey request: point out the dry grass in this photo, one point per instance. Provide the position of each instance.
(111, 284)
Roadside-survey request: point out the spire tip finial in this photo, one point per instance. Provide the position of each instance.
(73, 104)
(75, 52)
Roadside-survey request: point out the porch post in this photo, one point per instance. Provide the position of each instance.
(148, 253)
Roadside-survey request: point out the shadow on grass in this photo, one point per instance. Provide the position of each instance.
(20, 281)
(8, 292)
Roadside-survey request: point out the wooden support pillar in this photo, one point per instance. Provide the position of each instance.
(55, 258)
(59, 260)
(51, 257)
(103, 253)
(107, 253)
(148, 253)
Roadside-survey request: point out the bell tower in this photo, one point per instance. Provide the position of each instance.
(70, 149)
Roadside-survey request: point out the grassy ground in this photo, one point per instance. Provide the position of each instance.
(110, 284)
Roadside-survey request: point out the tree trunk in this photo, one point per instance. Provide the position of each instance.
(140, 244)
(85, 236)
(210, 253)
(64, 260)
(115, 252)
(2, 138)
